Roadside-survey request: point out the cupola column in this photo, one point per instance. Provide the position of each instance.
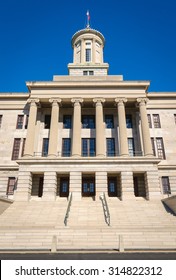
(30, 137)
(76, 136)
(53, 139)
(122, 126)
(100, 129)
(147, 145)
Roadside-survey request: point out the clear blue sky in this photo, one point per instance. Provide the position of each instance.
(35, 39)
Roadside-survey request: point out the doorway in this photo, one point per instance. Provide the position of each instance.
(88, 186)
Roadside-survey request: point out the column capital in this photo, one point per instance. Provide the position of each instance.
(33, 101)
(77, 101)
(98, 101)
(120, 101)
(142, 101)
(55, 101)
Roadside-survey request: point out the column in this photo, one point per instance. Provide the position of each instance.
(94, 51)
(30, 137)
(100, 128)
(53, 138)
(82, 51)
(76, 132)
(122, 126)
(147, 145)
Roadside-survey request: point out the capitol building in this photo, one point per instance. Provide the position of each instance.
(87, 158)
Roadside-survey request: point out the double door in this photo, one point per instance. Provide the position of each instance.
(88, 186)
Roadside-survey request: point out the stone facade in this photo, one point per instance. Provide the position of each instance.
(112, 153)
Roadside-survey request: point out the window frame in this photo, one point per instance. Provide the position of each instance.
(90, 121)
(129, 124)
(88, 147)
(10, 187)
(67, 125)
(165, 185)
(131, 149)
(160, 149)
(45, 147)
(156, 121)
(47, 121)
(149, 120)
(66, 147)
(109, 124)
(20, 122)
(110, 147)
(16, 148)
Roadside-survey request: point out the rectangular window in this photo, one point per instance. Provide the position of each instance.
(149, 120)
(91, 73)
(0, 121)
(66, 147)
(109, 121)
(20, 120)
(88, 147)
(110, 146)
(67, 121)
(45, 147)
(88, 55)
(131, 147)
(166, 185)
(11, 185)
(160, 148)
(88, 73)
(16, 148)
(129, 123)
(47, 121)
(88, 121)
(156, 121)
(153, 146)
(85, 73)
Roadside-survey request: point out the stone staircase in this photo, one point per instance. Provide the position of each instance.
(141, 224)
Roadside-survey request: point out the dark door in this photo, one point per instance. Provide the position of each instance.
(112, 186)
(136, 186)
(64, 187)
(40, 189)
(88, 187)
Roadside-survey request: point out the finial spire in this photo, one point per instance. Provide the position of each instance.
(88, 19)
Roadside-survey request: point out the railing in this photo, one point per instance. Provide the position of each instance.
(68, 209)
(105, 208)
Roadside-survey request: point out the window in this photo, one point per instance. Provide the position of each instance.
(129, 123)
(64, 187)
(166, 185)
(88, 121)
(131, 146)
(11, 185)
(109, 121)
(67, 121)
(153, 146)
(66, 147)
(20, 120)
(45, 147)
(16, 148)
(156, 121)
(88, 147)
(160, 148)
(149, 120)
(112, 186)
(47, 121)
(88, 73)
(88, 55)
(110, 144)
(0, 121)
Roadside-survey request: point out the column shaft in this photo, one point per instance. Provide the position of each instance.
(76, 134)
(30, 137)
(147, 145)
(53, 139)
(122, 127)
(100, 129)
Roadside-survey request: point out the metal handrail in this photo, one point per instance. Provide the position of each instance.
(68, 209)
(105, 208)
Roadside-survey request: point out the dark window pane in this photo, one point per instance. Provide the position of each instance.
(88, 55)
(131, 146)
(153, 146)
(129, 123)
(11, 185)
(109, 121)
(149, 120)
(88, 121)
(160, 148)
(47, 121)
(88, 147)
(66, 147)
(110, 144)
(0, 121)
(67, 121)
(45, 147)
